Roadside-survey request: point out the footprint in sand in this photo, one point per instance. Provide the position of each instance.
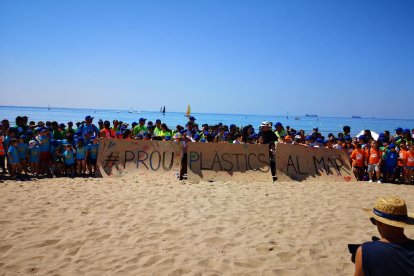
(46, 243)
(215, 241)
(5, 248)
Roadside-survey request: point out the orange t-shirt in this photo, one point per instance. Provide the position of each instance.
(107, 133)
(401, 157)
(409, 158)
(374, 156)
(358, 158)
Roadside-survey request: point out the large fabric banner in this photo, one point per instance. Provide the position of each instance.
(298, 163)
(147, 159)
(228, 162)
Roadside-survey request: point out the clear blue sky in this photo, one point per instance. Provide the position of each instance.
(332, 58)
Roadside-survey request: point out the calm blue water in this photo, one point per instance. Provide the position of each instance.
(325, 124)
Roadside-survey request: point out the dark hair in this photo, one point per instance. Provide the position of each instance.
(165, 126)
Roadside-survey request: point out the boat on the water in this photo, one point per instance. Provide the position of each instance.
(188, 112)
(311, 115)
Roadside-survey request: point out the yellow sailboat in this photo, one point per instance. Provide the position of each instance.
(188, 113)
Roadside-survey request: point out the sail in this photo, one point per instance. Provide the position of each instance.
(188, 113)
(163, 110)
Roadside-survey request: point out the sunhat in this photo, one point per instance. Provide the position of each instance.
(265, 123)
(392, 210)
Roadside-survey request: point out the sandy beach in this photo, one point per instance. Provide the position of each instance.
(96, 226)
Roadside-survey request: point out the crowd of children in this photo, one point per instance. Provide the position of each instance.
(57, 149)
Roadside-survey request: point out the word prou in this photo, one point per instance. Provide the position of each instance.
(150, 160)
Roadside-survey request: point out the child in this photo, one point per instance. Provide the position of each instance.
(409, 164)
(45, 157)
(69, 159)
(238, 138)
(373, 159)
(56, 157)
(13, 158)
(34, 157)
(80, 156)
(390, 158)
(358, 161)
(399, 172)
(92, 155)
(2, 155)
(22, 152)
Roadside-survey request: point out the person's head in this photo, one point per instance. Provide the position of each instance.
(141, 121)
(278, 126)
(163, 127)
(391, 147)
(288, 139)
(14, 142)
(68, 147)
(32, 144)
(346, 129)
(374, 144)
(80, 142)
(22, 138)
(107, 124)
(19, 121)
(190, 125)
(399, 131)
(70, 124)
(158, 123)
(361, 139)
(88, 120)
(390, 215)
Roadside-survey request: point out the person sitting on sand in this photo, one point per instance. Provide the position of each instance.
(393, 254)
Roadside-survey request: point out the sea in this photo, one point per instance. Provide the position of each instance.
(325, 125)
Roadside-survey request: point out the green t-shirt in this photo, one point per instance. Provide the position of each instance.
(165, 133)
(140, 129)
(158, 131)
(281, 133)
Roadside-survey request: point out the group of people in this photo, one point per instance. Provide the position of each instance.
(52, 148)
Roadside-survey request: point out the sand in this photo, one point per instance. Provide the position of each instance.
(167, 227)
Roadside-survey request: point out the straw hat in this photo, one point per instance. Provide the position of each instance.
(392, 210)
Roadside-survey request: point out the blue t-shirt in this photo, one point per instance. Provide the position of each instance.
(44, 143)
(391, 158)
(81, 153)
(34, 154)
(89, 128)
(13, 155)
(383, 258)
(69, 157)
(22, 150)
(93, 150)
